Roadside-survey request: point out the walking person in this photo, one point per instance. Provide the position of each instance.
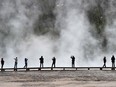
(15, 65)
(73, 61)
(25, 63)
(104, 60)
(41, 61)
(2, 63)
(54, 62)
(113, 62)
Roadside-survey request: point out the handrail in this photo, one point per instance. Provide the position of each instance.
(57, 68)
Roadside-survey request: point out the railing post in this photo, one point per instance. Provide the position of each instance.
(76, 68)
(2, 69)
(51, 68)
(15, 69)
(39, 68)
(113, 68)
(100, 68)
(27, 69)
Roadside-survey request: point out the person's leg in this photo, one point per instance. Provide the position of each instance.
(105, 64)
(1, 66)
(26, 65)
(15, 65)
(52, 65)
(40, 65)
(113, 65)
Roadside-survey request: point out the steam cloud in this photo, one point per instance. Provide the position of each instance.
(60, 28)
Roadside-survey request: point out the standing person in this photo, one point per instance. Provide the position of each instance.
(54, 62)
(113, 61)
(73, 61)
(2, 63)
(15, 65)
(25, 63)
(41, 61)
(104, 60)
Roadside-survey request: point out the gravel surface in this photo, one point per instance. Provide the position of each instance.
(80, 78)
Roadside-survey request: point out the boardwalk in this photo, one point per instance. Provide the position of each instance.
(56, 68)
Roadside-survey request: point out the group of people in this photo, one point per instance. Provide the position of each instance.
(41, 62)
(112, 60)
(15, 64)
(54, 62)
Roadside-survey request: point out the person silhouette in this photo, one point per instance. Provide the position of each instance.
(25, 63)
(54, 62)
(2, 63)
(113, 62)
(73, 61)
(15, 65)
(41, 61)
(104, 60)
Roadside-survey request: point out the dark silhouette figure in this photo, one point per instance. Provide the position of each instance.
(2, 63)
(104, 60)
(54, 62)
(41, 61)
(15, 65)
(73, 61)
(25, 63)
(113, 62)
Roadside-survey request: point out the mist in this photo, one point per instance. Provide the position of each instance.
(60, 28)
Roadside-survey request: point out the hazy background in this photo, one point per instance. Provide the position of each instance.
(60, 28)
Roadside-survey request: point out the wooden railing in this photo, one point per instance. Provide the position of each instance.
(56, 68)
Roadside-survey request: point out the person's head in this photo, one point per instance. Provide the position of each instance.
(41, 56)
(71, 57)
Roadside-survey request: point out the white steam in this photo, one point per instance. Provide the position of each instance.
(18, 38)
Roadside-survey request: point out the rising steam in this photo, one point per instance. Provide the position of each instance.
(60, 28)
